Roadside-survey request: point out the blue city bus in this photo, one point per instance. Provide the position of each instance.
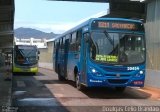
(25, 59)
(102, 52)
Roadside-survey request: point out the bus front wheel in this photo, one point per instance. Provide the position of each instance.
(60, 77)
(79, 86)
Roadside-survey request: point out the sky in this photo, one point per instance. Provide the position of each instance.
(55, 16)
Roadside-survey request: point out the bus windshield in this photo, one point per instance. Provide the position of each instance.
(28, 52)
(27, 55)
(117, 48)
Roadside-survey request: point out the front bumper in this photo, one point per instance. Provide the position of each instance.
(93, 81)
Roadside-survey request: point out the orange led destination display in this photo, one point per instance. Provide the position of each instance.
(117, 25)
(128, 26)
(103, 24)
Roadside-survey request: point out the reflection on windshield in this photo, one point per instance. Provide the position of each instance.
(28, 56)
(117, 48)
(28, 52)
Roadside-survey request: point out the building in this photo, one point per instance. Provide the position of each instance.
(40, 43)
(46, 55)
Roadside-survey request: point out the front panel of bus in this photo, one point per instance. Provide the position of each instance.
(25, 59)
(116, 56)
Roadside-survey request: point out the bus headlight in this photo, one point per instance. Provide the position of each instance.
(95, 72)
(140, 73)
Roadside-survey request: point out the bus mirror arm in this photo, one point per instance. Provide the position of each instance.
(86, 39)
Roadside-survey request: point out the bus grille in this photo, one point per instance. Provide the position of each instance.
(118, 69)
(117, 81)
(115, 75)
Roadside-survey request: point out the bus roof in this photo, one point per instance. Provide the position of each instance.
(92, 19)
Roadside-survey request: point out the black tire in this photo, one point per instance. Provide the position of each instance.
(33, 73)
(60, 78)
(79, 86)
(120, 89)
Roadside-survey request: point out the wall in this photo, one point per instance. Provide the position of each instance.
(45, 57)
(152, 78)
(152, 27)
(153, 35)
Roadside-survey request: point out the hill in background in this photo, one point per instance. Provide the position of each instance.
(32, 33)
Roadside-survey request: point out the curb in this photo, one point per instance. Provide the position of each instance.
(152, 89)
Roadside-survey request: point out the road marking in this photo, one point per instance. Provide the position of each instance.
(38, 102)
(21, 84)
(19, 92)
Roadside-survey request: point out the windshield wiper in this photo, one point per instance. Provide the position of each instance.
(109, 37)
(29, 53)
(23, 55)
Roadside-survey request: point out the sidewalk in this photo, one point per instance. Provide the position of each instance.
(5, 88)
(152, 79)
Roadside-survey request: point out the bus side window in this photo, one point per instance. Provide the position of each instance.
(58, 45)
(68, 37)
(54, 44)
(78, 40)
(73, 42)
(61, 43)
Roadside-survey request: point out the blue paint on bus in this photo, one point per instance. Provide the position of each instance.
(104, 52)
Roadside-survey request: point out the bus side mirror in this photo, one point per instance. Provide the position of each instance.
(86, 37)
(38, 52)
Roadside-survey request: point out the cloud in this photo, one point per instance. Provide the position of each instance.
(100, 14)
(55, 27)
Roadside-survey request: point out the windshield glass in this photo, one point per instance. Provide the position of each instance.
(28, 52)
(28, 56)
(117, 48)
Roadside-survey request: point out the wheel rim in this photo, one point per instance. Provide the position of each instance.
(77, 82)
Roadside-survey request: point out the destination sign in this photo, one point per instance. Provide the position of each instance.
(117, 25)
(108, 58)
(124, 26)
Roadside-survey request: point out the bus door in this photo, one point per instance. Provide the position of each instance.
(66, 48)
(84, 58)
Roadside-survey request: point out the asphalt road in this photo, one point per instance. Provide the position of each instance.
(44, 93)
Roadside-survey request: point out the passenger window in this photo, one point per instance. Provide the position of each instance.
(76, 40)
(74, 35)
